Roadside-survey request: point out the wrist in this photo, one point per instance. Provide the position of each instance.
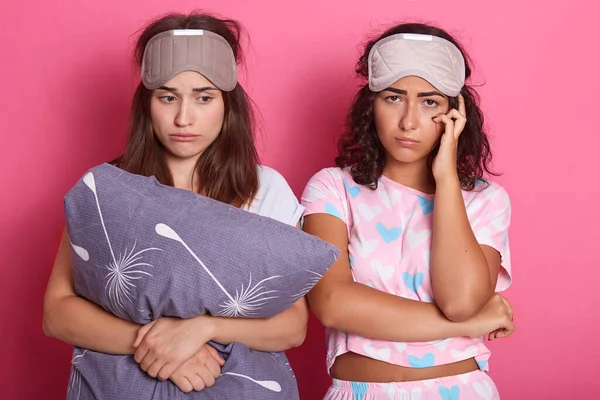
(207, 325)
(465, 328)
(447, 181)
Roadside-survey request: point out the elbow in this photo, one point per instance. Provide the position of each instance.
(325, 310)
(459, 311)
(292, 338)
(51, 321)
(334, 307)
(47, 325)
(298, 334)
(464, 304)
(294, 327)
(328, 320)
(298, 337)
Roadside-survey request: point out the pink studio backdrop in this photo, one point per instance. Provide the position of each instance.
(66, 88)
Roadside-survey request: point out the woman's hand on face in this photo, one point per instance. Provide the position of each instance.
(165, 344)
(445, 163)
(200, 371)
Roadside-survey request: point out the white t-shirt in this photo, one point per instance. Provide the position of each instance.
(275, 198)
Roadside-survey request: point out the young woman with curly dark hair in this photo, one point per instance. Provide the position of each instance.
(413, 295)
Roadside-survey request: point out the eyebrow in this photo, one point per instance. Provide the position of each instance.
(196, 90)
(422, 94)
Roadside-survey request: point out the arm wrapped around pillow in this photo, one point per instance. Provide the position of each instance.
(143, 250)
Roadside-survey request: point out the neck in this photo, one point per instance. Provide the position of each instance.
(416, 175)
(183, 172)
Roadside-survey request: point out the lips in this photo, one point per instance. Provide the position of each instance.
(406, 142)
(183, 137)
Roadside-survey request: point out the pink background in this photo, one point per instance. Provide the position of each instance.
(66, 87)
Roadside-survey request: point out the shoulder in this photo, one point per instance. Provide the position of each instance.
(275, 198)
(495, 192)
(269, 178)
(271, 184)
(490, 196)
(331, 174)
(330, 180)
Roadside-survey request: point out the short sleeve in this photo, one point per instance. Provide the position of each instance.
(275, 199)
(490, 226)
(325, 194)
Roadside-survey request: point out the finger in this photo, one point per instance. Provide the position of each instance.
(196, 380)
(449, 129)
(167, 370)
(504, 332)
(495, 334)
(459, 122)
(206, 376)
(454, 114)
(492, 335)
(215, 354)
(156, 367)
(508, 307)
(182, 382)
(213, 367)
(443, 118)
(141, 353)
(142, 333)
(510, 329)
(147, 362)
(461, 105)
(501, 334)
(446, 120)
(440, 118)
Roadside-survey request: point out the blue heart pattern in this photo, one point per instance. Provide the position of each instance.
(389, 235)
(413, 282)
(482, 364)
(449, 394)
(354, 190)
(332, 210)
(426, 205)
(359, 390)
(428, 360)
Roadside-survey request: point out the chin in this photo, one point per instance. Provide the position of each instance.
(185, 155)
(405, 157)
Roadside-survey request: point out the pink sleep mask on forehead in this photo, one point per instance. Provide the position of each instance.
(172, 52)
(429, 57)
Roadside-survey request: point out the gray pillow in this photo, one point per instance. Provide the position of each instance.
(143, 250)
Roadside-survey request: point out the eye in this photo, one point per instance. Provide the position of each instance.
(204, 99)
(167, 99)
(392, 99)
(431, 103)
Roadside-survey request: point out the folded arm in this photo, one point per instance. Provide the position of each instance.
(80, 322)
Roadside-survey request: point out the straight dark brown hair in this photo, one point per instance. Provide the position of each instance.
(228, 169)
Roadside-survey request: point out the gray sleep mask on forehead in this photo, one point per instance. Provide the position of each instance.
(432, 58)
(172, 52)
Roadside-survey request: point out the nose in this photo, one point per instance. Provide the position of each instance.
(184, 115)
(410, 120)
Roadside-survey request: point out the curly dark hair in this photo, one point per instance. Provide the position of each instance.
(360, 149)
